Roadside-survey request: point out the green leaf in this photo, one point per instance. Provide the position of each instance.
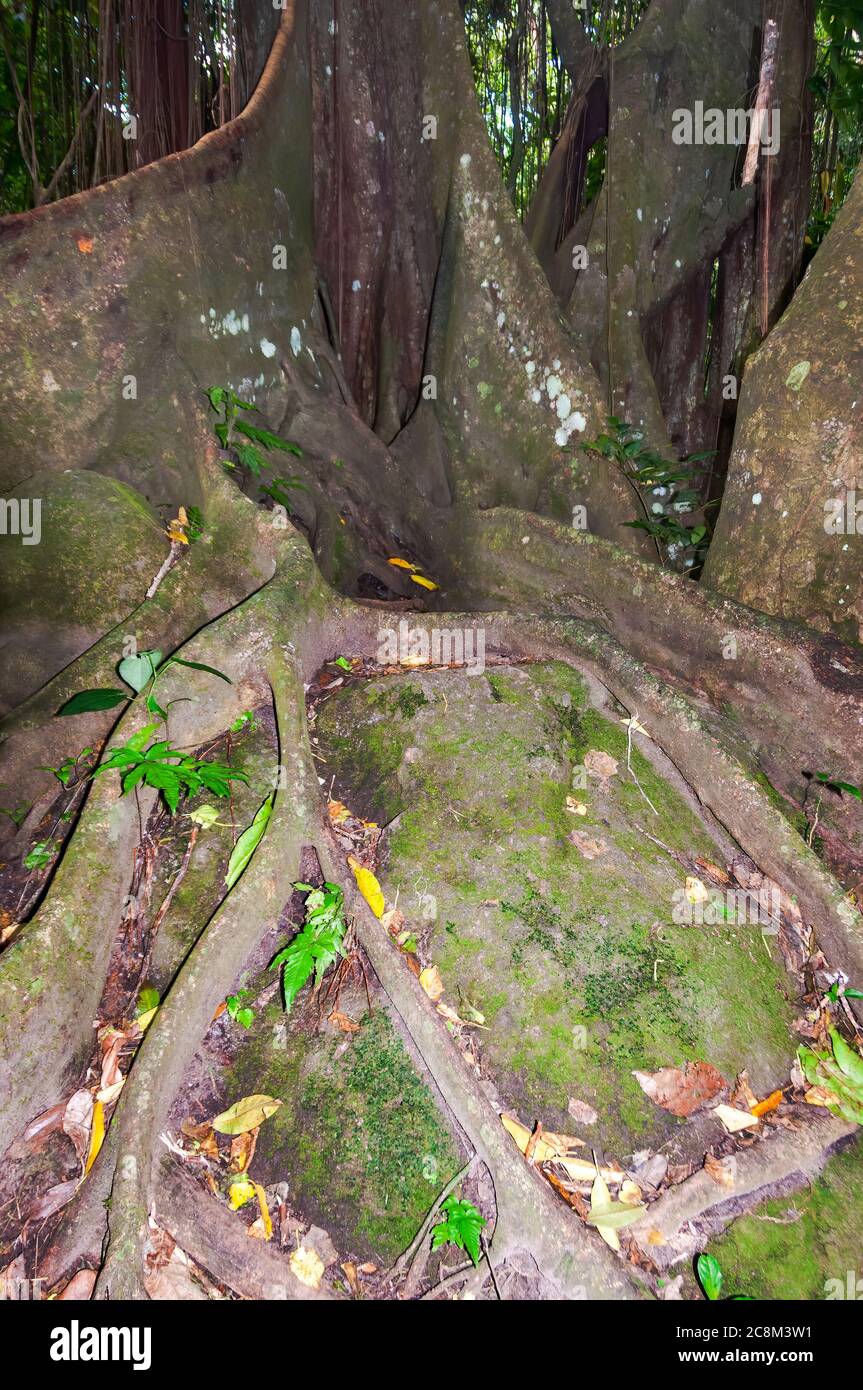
(709, 1276)
(137, 670)
(461, 1226)
(148, 999)
(248, 842)
(216, 396)
(103, 697)
(250, 457)
(267, 438)
(343, 662)
(245, 1114)
(199, 666)
(205, 816)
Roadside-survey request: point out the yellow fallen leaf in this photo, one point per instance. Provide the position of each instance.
(769, 1103)
(608, 1216)
(97, 1135)
(431, 982)
(85, 245)
(176, 528)
(400, 563)
(636, 728)
(265, 1211)
(241, 1191)
(308, 1267)
(245, 1114)
(426, 583)
(338, 812)
(549, 1148)
(735, 1120)
(109, 1094)
(144, 1020)
(696, 891)
(577, 808)
(368, 886)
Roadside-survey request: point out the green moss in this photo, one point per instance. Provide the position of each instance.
(409, 700)
(358, 1138)
(792, 1247)
(575, 962)
(794, 817)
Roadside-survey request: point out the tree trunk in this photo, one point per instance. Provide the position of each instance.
(345, 255)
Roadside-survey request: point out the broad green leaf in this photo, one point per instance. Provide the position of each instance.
(248, 842)
(205, 816)
(148, 999)
(137, 670)
(245, 1114)
(709, 1276)
(103, 697)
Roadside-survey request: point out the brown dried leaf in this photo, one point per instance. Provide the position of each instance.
(722, 1171)
(78, 1121)
(340, 1020)
(600, 765)
(589, 847)
(682, 1090)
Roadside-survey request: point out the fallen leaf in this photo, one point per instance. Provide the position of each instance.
(722, 1171)
(243, 1150)
(174, 1282)
(607, 1216)
(431, 982)
(682, 1090)
(80, 1286)
(52, 1200)
(426, 583)
(97, 1135)
(78, 1121)
(85, 245)
(144, 1020)
(368, 886)
(582, 1112)
(695, 891)
(587, 845)
(109, 1094)
(350, 1273)
(769, 1103)
(634, 725)
(556, 1148)
(735, 1120)
(245, 1114)
(401, 564)
(241, 1191)
(577, 808)
(600, 765)
(342, 1021)
(308, 1267)
(266, 1219)
(338, 812)
(743, 1097)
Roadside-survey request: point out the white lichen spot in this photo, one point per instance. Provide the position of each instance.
(267, 348)
(48, 382)
(501, 319)
(296, 342)
(564, 407)
(756, 499)
(464, 161)
(639, 214)
(554, 387)
(530, 368)
(536, 397)
(356, 286)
